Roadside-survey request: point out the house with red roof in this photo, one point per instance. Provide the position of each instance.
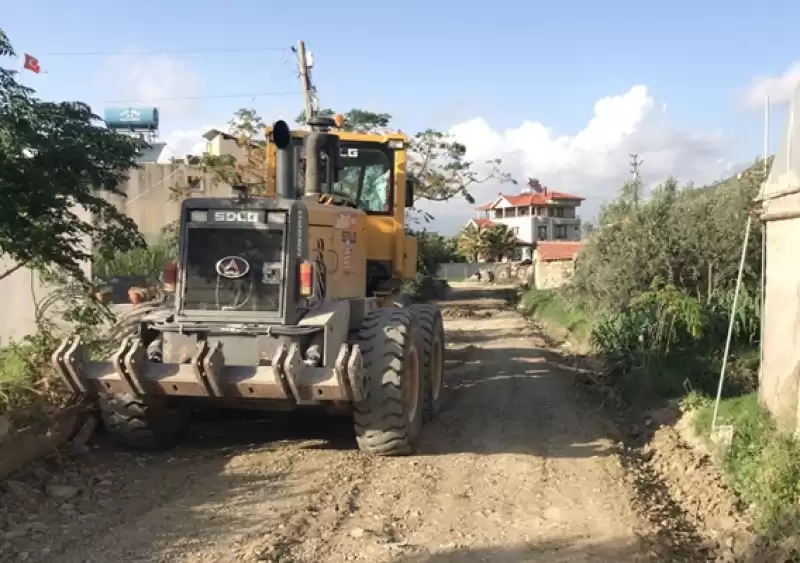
(536, 214)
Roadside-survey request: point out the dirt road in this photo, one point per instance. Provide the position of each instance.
(516, 468)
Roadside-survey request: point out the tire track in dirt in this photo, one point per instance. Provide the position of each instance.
(515, 468)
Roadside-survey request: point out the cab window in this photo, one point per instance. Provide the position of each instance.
(366, 178)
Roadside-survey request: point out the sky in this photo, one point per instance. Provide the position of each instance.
(560, 91)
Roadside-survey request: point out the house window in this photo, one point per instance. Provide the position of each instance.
(558, 212)
(561, 232)
(195, 184)
(511, 212)
(498, 213)
(524, 211)
(541, 233)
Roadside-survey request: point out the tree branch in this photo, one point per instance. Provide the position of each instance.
(12, 270)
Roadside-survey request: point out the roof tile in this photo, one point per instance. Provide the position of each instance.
(551, 250)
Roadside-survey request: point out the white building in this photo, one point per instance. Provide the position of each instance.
(220, 143)
(534, 215)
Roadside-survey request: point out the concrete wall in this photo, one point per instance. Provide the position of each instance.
(22, 292)
(779, 388)
(149, 201)
(221, 144)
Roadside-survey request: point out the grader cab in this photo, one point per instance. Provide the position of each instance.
(289, 300)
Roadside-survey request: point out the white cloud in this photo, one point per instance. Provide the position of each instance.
(158, 80)
(779, 88)
(181, 142)
(594, 162)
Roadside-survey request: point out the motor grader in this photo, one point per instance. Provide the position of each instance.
(285, 301)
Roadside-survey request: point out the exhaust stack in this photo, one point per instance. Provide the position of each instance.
(284, 162)
(320, 141)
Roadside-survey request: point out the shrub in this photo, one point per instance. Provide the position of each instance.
(667, 342)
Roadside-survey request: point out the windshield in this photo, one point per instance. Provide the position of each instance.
(366, 178)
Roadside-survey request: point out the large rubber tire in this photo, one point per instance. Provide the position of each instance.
(430, 342)
(142, 425)
(389, 421)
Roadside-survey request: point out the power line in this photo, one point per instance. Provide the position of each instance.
(188, 98)
(179, 52)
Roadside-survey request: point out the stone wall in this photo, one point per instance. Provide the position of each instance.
(553, 273)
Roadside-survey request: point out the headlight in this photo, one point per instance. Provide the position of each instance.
(276, 217)
(198, 216)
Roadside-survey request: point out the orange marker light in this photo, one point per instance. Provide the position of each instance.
(170, 277)
(338, 119)
(305, 278)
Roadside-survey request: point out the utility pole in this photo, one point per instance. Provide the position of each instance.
(636, 163)
(305, 79)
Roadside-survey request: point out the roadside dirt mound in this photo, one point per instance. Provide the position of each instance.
(684, 464)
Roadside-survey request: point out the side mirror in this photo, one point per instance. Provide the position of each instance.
(409, 193)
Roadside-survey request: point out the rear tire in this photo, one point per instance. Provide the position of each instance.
(144, 425)
(430, 341)
(389, 421)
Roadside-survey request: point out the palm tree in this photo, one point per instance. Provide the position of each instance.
(501, 242)
(472, 242)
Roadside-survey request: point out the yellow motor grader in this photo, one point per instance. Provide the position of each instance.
(289, 300)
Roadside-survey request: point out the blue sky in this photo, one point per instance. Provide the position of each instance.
(431, 64)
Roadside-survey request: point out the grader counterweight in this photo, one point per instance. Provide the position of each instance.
(285, 301)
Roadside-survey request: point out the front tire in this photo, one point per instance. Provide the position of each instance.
(389, 421)
(430, 341)
(143, 424)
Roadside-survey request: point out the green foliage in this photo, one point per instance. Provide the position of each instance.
(493, 243)
(762, 464)
(29, 389)
(550, 307)
(53, 162)
(437, 163)
(691, 238)
(658, 275)
(249, 169)
(432, 249)
(667, 342)
(355, 119)
(145, 262)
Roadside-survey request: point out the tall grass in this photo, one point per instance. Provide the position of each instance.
(29, 388)
(667, 343)
(550, 307)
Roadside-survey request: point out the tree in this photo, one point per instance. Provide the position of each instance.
(355, 119)
(246, 169)
(472, 242)
(501, 242)
(54, 163)
(437, 164)
(688, 238)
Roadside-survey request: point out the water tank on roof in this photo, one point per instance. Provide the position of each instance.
(138, 118)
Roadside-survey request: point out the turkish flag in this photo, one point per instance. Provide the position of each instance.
(32, 64)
